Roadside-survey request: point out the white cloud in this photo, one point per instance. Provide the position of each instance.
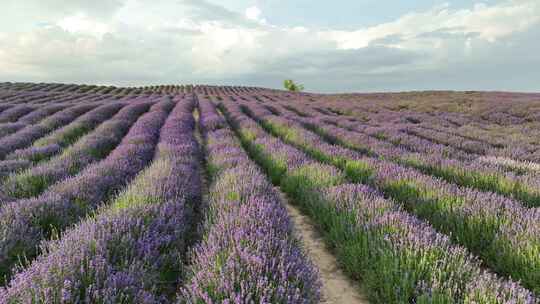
(142, 42)
(80, 23)
(488, 22)
(254, 13)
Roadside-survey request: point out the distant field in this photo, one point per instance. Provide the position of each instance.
(216, 194)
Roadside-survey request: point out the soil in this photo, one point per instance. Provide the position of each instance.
(337, 287)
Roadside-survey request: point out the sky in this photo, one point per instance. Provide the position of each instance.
(328, 46)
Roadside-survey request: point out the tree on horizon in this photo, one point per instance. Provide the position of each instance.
(290, 85)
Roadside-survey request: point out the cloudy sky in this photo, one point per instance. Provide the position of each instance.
(329, 46)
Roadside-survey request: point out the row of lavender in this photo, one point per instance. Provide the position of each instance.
(469, 136)
(37, 94)
(520, 182)
(489, 131)
(501, 231)
(68, 135)
(53, 143)
(503, 176)
(431, 126)
(497, 142)
(13, 119)
(133, 249)
(35, 100)
(485, 173)
(29, 134)
(74, 157)
(32, 102)
(398, 257)
(25, 223)
(248, 253)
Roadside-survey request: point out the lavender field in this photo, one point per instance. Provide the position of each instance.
(184, 194)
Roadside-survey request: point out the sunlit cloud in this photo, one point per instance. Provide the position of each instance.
(142, 42)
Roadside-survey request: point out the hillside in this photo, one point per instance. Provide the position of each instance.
(218, 194)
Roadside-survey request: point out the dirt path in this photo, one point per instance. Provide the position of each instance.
(337, 287)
